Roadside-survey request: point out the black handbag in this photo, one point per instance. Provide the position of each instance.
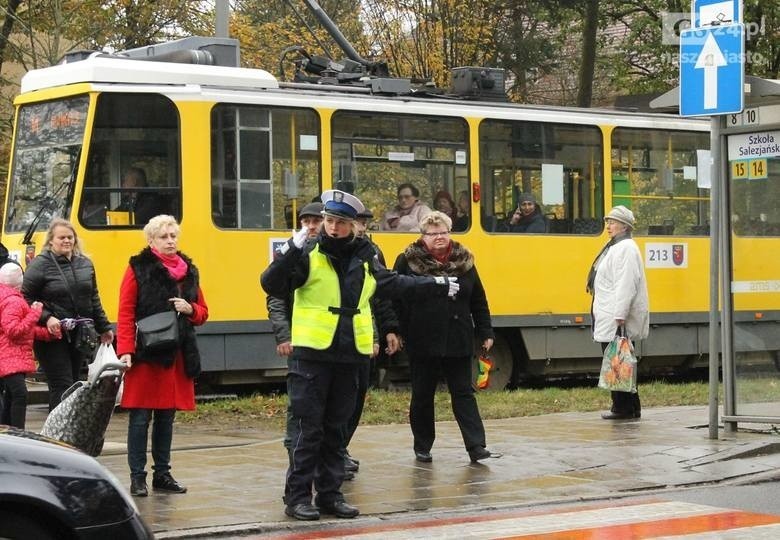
(85, 337)
(157, 333)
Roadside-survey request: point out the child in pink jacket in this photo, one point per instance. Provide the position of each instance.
(18, 329)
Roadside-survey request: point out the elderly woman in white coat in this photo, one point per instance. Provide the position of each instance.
(619, 288)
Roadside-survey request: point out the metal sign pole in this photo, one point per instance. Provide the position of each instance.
(714, 335)
(726, 328)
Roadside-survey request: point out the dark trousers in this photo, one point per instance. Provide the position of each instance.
(61, 363)
(363, 373)
(13, 410)
(425, 378)
(624, 402)
(138, 435)
(322, 398)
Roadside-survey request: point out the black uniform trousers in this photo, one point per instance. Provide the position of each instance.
(61, 363)
(322, 398)
(363, 374)
(624, 402)
(425, 378)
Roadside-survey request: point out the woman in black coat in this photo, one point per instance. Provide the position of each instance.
(63, 279)
(439, 336)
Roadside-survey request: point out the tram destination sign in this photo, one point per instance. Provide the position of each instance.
(754, 145)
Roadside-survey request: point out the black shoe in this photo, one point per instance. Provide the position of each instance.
(357, 461)
(349, 475)
(350, 465)
(424, 457)
(138, 486)
(165, 482)
(479, 453)
(617, 416)
(302, 512)
(340, 509)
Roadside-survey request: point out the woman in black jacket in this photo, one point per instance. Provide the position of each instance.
(63, 279)
(439, 336)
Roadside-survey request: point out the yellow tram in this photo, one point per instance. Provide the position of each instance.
(232, 152)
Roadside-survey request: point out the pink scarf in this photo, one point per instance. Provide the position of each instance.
(176, 266)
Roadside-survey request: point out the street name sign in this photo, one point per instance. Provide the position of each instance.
(765, 144)
(712, 70)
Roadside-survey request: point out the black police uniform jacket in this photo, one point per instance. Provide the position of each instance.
(280, 312)
(155, 288)
(443, 327)
(290, 270)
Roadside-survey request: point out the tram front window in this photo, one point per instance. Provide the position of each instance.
(48, 145)
(133, 161)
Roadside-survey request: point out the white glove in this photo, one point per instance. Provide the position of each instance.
(299, 238)
(451, 282)
(454, 287)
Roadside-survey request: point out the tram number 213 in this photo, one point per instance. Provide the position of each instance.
(666, 255)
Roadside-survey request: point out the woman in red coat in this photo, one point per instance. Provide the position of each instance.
(158, 279)
(18, 328)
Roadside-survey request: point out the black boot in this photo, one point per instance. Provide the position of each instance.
(165, 482)
(138, 485)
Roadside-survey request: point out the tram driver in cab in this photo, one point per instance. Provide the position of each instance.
(143, 204)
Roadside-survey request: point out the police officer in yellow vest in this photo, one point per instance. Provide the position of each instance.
(333, 278)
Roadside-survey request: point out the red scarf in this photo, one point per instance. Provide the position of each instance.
(175, 265)
(444, 257)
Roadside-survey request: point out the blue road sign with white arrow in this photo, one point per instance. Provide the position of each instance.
(712, 70)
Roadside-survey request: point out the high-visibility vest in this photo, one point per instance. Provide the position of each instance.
(317, 306)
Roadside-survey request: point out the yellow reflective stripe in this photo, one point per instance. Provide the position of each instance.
(362, 323)
(312, 324)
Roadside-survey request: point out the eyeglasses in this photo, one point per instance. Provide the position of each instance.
(435, 234)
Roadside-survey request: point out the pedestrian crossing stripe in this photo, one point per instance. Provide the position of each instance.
(612, 521)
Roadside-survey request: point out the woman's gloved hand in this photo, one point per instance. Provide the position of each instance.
(451, 282)
(299, 238)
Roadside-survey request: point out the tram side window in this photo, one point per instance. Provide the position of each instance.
(375, 153)
(654, 172)
(264, 163)
(133, 172)
(541, 177)
(755, 196)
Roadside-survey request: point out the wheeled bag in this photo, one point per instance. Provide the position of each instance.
(82, 417)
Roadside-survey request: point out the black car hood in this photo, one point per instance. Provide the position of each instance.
(65, 480)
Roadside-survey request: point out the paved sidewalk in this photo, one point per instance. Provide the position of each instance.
(236, 477)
